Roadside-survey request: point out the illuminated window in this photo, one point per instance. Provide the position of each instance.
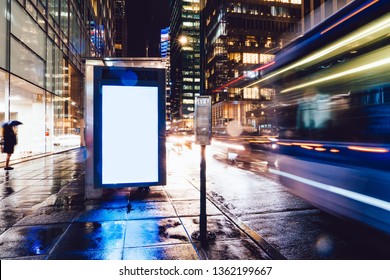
(236, 8)
(219, 50)
(235, 56)
(234, 41)
(268, 44)
(188, 101)
(251, 93)
(252, 58)
(251, 41)
(266, 58)
(267, 93)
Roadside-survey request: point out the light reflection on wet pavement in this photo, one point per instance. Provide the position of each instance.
(43, 215)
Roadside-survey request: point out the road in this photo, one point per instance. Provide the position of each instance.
(293, 227)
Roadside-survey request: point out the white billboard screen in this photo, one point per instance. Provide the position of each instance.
(130, 147)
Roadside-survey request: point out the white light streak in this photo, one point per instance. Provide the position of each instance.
(381, 25)
(341, 74)
(385, 205)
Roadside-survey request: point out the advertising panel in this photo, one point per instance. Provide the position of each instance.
(129, 127)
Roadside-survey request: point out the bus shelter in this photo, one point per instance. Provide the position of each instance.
(125, 123)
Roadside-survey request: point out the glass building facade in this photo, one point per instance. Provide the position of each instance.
(43, 43)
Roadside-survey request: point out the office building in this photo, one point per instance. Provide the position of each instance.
(43, 43)
(242, 36)
(165, 53)
(185, 61)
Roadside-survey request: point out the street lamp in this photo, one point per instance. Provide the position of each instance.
(183, 40)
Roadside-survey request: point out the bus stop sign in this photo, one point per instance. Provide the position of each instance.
(203, 120)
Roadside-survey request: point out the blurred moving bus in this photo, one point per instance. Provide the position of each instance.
(333, 112)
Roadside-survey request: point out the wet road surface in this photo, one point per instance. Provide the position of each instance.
(43, 216)
(295, 228)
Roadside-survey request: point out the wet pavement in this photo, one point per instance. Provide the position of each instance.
(43, 215)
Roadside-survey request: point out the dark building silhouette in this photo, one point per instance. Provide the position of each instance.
(120, 27)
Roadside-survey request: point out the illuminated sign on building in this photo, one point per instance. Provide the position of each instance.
(164, 44)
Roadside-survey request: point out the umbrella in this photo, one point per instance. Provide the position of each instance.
(12, 123)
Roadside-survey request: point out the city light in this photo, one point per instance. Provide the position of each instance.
(374, 29)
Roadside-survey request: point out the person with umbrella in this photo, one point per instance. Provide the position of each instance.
(9, 140)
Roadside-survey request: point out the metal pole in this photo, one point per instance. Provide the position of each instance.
(202, 42)
(203, 215)
(203, 235)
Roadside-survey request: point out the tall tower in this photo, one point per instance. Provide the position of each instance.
(185, 59)
(165, 52)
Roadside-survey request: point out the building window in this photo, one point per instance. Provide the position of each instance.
(234, 41)
(251, 41)
(266, 58)
(251, 93)
(188, 24)
(268, 43)
(27, 64)
(267, 93)
(251, 58)
(27, 104)
(27, 30)
(188, 101)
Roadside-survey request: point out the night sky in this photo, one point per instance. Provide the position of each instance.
(145, 20)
